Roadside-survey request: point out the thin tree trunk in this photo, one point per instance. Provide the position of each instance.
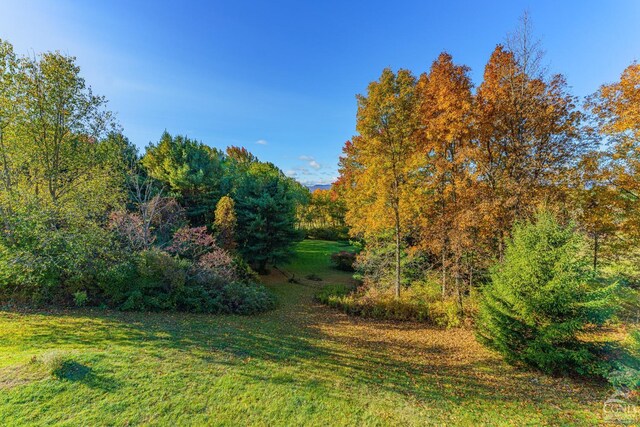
(8, 188)
(397, 290)
(444, 272)
(595, 252)
(459, 290)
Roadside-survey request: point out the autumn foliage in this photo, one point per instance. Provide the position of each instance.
(439, 168)
(512, 198)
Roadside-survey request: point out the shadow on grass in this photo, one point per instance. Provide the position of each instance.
(73, 371)
(307, 339)
(77, 372)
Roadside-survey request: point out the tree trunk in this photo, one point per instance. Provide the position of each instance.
(595, 252)
(397, 290)
(444, 272)
(262, 267)
(459, 291)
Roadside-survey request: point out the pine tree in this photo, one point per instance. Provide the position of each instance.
(265, 202)
(191, 170)
(541, 296)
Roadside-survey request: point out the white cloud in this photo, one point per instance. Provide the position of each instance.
(261, 142)
(311, 161)
(291, 173)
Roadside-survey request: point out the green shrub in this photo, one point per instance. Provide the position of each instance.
(329, 292)
(327, 233)
(160, 278)
(625, 372)
(369, 303)
(45, 263)
(243, 298)
(624, 377)
(154, 280)
(541, 297)
(446, 314)
(244, 272)
(343, 260)
(80, 298)
(628, 302)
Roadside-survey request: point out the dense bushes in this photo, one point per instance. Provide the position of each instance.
(421, 298)
(195, 276)
(50, 260)
(625, 372)
(414, 305)
(243, 298)
(323, 218)
(46, 262)
(541, 297)
(154, 280)
(327, 233)
(344, 260)
(96, 224)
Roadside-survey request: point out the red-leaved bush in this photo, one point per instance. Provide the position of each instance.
(130, 229)
(212, 265)
(215, 267)
(192, 242)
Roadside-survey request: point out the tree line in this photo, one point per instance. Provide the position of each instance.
(444, 171)
(513, 205)
(86, 219)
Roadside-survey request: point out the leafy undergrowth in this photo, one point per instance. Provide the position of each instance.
(301, 364)
(388, 307)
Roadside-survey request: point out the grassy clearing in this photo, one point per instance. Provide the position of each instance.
(300, 364)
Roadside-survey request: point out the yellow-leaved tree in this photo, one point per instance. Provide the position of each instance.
(617, 108)
(377, 174)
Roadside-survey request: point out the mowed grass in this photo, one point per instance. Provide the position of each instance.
(302, 364)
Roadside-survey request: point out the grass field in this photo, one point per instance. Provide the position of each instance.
(302, 364)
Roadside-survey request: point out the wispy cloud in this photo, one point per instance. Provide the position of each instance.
(261, 142)
(310, 161)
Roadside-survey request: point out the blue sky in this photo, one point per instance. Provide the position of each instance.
(280, 77)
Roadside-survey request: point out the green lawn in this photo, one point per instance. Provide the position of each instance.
(302, 364)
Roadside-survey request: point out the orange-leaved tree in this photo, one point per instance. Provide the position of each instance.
(617, 109)
(527, 134)
(443, 160)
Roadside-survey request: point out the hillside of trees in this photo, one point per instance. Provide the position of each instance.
(87, 220)
(511, 205)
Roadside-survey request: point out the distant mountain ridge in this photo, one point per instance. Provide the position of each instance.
(315, 187)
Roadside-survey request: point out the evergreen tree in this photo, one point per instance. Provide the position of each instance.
(191, 170)
(541, 296)
(265, 201)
